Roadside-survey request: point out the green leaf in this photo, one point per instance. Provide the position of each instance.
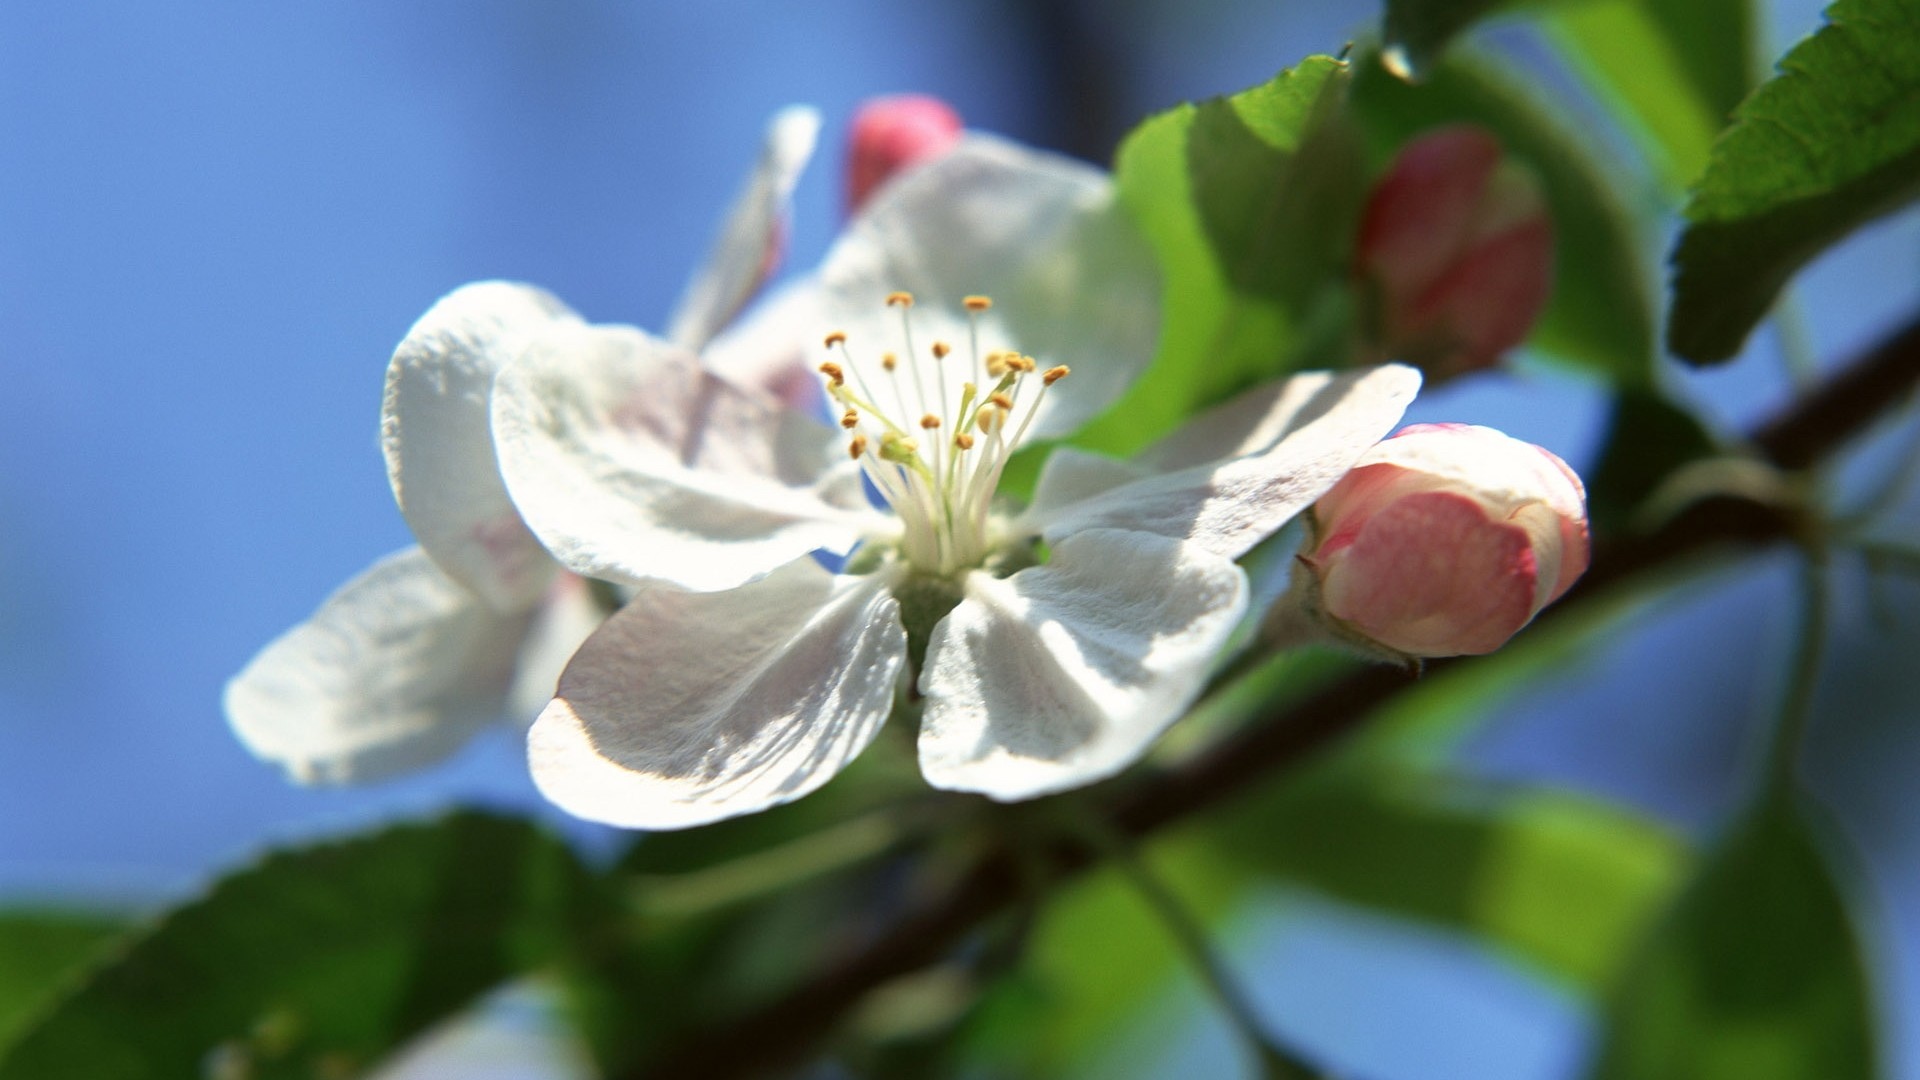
(1826, 146)
(318, 961)
(40, 951)
(1674, 70)
(1600, 317)
(1758, 975)
(1416, 32)
(1562, 883)
(1249, 202)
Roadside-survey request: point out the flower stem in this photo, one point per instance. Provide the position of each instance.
(1190, 937)
(1803, 676)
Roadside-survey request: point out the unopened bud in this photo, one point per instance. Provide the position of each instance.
(1444, 540)
(1455, 253)
(890, 134)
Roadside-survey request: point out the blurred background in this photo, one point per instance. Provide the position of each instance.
(217, 219)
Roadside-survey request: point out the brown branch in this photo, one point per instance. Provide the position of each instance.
(786, 1029)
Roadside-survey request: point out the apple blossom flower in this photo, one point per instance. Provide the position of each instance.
(891, 133)
(1444, 540)
(992, 296)
(412, 656)
(1455, 253)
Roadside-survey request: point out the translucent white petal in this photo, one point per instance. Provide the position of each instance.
(750, 241)
(632, 463)
(439, 448)
(767, 348)
(1071, 475)
(1064, 673)
(685, 708)
(393, 671)
(1258, 418)
(1229, 506)
(566, 615)
(1072, 280)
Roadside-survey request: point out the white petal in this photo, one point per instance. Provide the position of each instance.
(1071, 278)
(394, 671)
(749, 244)
(1071, 475)
(1227, 507)
(632, 463)
(566, 616)
(767, 347)
(1064, 673)
(685, 708)
(439, 448)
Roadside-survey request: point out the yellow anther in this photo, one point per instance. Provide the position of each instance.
(857, 447)
(1055, 374)
(850, 419)
(988, 418)
(899, 299)
(1021, 363)
(838, 337)
(1001, 400)
(834, 373)
(929, 422)
(941, 349)
(977, 303)
(963, 440)
(996, 364)
(889, 361)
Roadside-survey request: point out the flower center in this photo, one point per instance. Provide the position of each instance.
(934, 431)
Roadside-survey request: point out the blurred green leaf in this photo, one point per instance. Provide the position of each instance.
(1758, 974)
(1416, 32)
(1249, 202)
(1563, 882)
(318, 961)
(40, 951)
(1826, 146)
(1560, 882)
(1675, 70)
(1600, 317)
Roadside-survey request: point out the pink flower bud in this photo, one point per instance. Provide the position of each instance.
(891, 133)
(1455, 251)
(1445, 540)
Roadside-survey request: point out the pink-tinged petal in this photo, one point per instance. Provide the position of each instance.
(750, 243)
(1491, 298)
(1228, 507)
(1421, 212)
(685, 708)
(1433, 575)
(1066, 673)
(566, 615)
(633, 463)
(394, 671)
(1444, 540)
(767, 348)
(890, 134)
(438, 444)
(1072, 279)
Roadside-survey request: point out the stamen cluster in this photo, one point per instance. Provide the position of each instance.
(936, 464)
